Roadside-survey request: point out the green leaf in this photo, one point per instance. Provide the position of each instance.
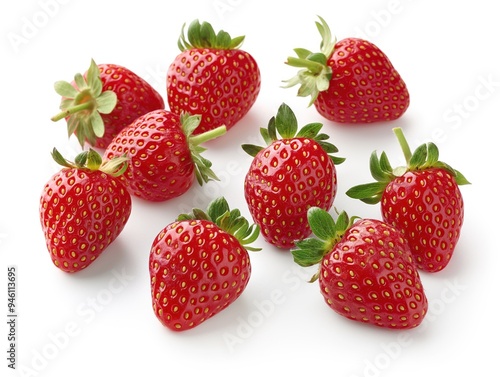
(65, 89)
(432, 154)
(321, 223)
(328, 41)
(115, 166)
(370, 193)
(460, 178)
(94, 79)
(315, 74)
(217, 208)
(94, 160)
(376, 170)
(81, 159)
(343, 223)
(73, 123)
(318, 57)
(308, 252)
(236, 42)
(302, 53)
(203, 35)
(97, 124)
(223, 39)
(232, 222)
(385, 164)
(251, 149)
(106, 102)
(337, 160)
(189, 123)
(264, 132)
(286, 122)
(57, 156)
(80, 82)
(193, 34)
(418, 158)
(310, 130)
(207, 35)
(271, 128)
(323, 81)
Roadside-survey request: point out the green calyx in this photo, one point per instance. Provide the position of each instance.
(327, 233)
(285, 126)
(92, 161)
(83, 105)
(203, 36)
(230, 221)
(203, 170)
(424, 157)
(315, 74)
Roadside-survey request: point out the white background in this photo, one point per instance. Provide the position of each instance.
(100, 321)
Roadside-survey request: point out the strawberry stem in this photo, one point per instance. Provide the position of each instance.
(208, 135)
(72, 110)
(403, 143)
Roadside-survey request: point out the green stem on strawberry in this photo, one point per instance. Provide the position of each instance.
(405, 147)
(284, 124)
(92, 160)
(73, 110)
(423, 157)
(231, 221)
(203, 36)
(203, 170)
(83, 105)
(316, 74)
(208, 135)
(327, 233)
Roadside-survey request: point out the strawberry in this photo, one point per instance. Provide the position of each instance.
(83, 208)
(199, 265)
(367, 272)
(212, 77)
(164, 155)
(422, 199)
(289, 175)
(98, 104)
(350, 81)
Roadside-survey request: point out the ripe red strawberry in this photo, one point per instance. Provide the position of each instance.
(212, 77)
(83, 208)
(199, 265)
(367, 272)
(104, 100)
(421, 199)
(289, 175)
(164, 155)
(350, 81)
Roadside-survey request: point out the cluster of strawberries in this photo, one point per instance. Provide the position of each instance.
(199, 264)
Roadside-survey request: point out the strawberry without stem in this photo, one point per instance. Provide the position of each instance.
(199, 265)
(422, 199)
(83, 208)
(350, 81)
(289, 175)
(367, 272)
(212, 77)
(98, 104)
(165, 156)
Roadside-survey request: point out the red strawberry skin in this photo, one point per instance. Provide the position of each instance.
(221, 85)
(364, 88)
(81, 213)
(160, 166)
(284, 180)
(196, 271)
(428, 208)
(370, 276)
(135, 97)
